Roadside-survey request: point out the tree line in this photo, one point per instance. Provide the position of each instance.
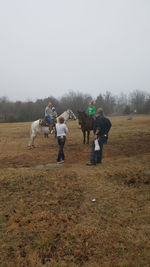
(137, 102)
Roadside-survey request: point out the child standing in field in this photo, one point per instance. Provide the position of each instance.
(61, 130)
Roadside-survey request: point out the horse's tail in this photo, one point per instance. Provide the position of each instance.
(32, 134)
(32, 130)
(29, 143)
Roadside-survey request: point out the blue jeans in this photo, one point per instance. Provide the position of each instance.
(94, 117)
(61, 142)
(49, 120)
(96, 156)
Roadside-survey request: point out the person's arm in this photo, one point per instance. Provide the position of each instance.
(95, 128)
(66, 129)
(99, 126)
(109, 125)
(94, 110)
(46, 114)
(94, 125)
(91, 110)
(87, 111)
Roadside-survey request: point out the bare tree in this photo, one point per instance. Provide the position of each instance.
(107, 102)
(30, 111)
(122, 104)
(137, 100)
(75, 101)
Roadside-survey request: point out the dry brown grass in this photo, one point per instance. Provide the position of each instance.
(46, 215)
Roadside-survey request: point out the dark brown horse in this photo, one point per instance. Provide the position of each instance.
(86, 122)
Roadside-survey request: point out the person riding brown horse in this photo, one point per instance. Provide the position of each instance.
(86, 122)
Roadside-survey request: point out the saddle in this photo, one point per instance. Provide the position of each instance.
(43, 123)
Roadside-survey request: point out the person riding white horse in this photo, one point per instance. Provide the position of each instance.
(50, 115)
(37, 126)
(54, 119)
(54, 112)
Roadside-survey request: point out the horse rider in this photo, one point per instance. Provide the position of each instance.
(91, 110)
(54, 118)
(102, 126)
(54, 113)
(50, 115)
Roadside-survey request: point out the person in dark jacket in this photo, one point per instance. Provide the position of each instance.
(101, 128)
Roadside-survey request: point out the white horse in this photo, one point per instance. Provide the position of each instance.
(37, 128)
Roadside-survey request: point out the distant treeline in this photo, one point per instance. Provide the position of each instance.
(137, 102)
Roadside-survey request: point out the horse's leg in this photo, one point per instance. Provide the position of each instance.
(46, 135)
(31, 141)
(88, 135)
(83, 136)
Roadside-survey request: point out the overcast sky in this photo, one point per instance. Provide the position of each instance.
(48, 47)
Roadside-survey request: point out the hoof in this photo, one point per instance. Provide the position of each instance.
(29, 147)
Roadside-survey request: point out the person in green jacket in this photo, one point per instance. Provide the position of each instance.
(91, 110)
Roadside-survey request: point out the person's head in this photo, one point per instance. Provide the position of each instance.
(91, 103)
(49, 105)
(61, 120)
(99, 112)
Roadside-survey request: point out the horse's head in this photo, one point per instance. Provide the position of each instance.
(71, 114)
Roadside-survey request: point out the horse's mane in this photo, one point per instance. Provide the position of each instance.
(83, 114)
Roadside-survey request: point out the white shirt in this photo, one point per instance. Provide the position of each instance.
(61, 129)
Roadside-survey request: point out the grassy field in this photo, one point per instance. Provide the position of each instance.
(47, 217)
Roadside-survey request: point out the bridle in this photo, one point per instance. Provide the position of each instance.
(70, 113)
